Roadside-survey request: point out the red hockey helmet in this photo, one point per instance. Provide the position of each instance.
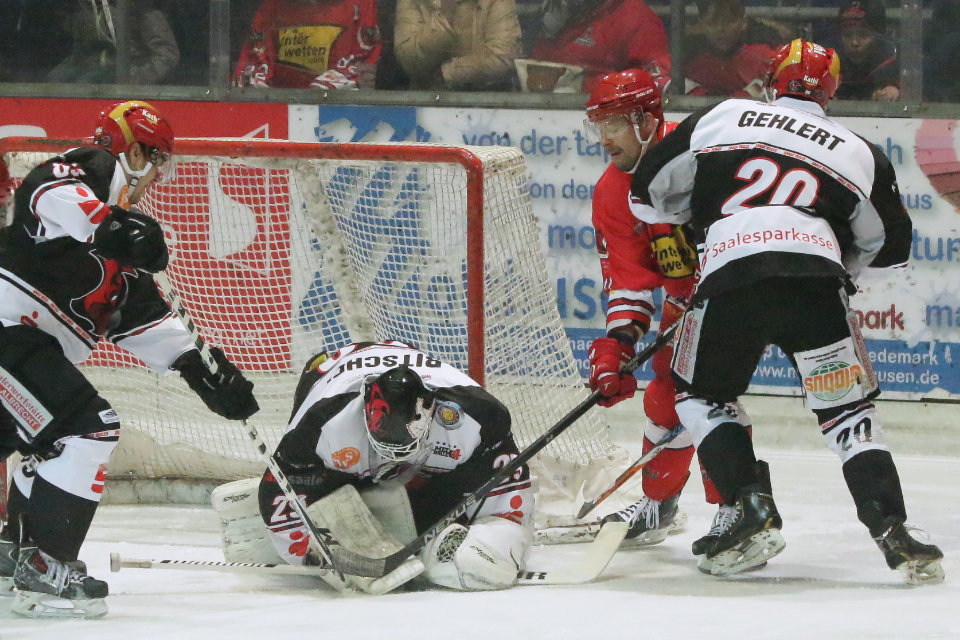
(395, 407)
(804, 70)
(123, 124)
(625, 92)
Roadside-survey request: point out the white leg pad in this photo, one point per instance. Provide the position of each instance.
(487, 556)
(353, 525)
(390, 505)
(245, 536)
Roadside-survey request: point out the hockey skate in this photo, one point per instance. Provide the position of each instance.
(650, 521)
(49, 588)
(918, 563)
(753, 537)
(8, 562)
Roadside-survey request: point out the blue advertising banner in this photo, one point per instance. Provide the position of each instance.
(910, 319)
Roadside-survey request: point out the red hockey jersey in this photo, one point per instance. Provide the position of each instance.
(309, 44)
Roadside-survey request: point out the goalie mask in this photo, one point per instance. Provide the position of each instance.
(122, 125)
(396, 409)
(803, 70)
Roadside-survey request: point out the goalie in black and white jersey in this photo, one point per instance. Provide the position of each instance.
(414, 436)
(75, 268)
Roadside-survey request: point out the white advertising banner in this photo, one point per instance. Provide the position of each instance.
(910, 319)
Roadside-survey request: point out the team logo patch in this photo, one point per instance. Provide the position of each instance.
(832, 380)
(346, 457)
(447, 451)
(449, 415)
(109, 416)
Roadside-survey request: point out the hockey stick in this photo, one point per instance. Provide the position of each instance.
(358, 565)
(117, 563)
(641, 462)
(587, 568)
(320, 539)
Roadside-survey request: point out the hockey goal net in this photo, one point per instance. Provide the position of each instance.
(280, 250)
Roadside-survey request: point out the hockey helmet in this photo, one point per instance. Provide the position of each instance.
(804, 70)
(395, 407)
(123, 124)
(619, 103)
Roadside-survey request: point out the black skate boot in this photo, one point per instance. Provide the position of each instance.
(650, 521)
(8, 561)
(753, 537)
(917, 562)
(49, 588)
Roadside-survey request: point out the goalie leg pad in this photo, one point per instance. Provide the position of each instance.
(485, 557)
(352, 524)
(390, 505)
(245, 536)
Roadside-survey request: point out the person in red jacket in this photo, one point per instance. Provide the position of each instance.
(297, 44)
(603, 36)
(625, 115)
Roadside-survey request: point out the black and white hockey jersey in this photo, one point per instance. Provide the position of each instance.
(326, 444)
(52, 278)
(775, 189)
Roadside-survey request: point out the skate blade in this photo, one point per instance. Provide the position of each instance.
(656, 536)
(917, 573)
(705, 565)
(31, 604)
(753, 551)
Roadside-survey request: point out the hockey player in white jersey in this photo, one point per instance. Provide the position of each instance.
(793, 209)
(75, 268)
(391, 420)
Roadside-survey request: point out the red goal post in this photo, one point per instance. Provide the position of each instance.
(282, 249)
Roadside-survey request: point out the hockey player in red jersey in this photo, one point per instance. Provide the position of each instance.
(794, 208)
(385, 417)
(297, 44)
(625, 115)
(74, 269)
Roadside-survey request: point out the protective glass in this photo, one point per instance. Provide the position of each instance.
(612, 127)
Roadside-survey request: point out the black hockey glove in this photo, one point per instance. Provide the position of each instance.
(133, 239)
(226, 392)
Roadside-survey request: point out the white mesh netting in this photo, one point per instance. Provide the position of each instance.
(281, 250)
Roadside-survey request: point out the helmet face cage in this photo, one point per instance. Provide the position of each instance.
(631, 94)
(804, 70)
(396, 410)
(122, 125)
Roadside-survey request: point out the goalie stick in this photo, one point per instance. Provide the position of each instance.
(320, 539)
(356, 564)
(641, 462)
(587, 568)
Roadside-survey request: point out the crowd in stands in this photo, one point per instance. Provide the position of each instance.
(473, 45)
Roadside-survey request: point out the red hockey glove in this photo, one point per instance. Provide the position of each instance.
(607, 355)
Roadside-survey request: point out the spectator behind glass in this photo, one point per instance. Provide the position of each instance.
(730, 54)
(458, 44)
(871, 70)
(296, 44)
(26, 31)
(593, 38)
(941, 53)
(390, 75)
(151, 47)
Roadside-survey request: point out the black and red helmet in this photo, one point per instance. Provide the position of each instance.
(395, 407)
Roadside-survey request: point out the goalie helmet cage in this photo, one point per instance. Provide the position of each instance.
(282, 249)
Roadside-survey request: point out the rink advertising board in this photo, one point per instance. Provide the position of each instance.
(911, 319)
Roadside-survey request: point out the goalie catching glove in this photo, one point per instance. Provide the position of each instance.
(607, 357)
(226, 392)
(133, 239)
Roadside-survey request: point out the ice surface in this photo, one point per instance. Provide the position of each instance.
(830, 582)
